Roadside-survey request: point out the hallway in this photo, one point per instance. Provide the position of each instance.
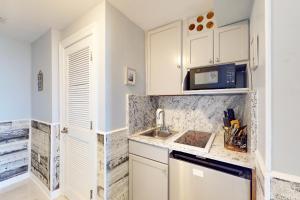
(26, 190)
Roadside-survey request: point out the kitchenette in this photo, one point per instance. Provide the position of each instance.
(176, 149)
(193, 136)
(149, 100)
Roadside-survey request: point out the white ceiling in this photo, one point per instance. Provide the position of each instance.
(28, 19)
(149, 14)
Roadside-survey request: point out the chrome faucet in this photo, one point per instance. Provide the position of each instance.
(160, 119)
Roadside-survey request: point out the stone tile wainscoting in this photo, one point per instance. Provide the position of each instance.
(40, 151)
(113, 165)
(45, 153)
(117, 165)
(284, 190)
(55, 156)
(101, 166)
(14, 155)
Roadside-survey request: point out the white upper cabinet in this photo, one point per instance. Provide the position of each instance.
(231, 43)
(164, 55)
(200, 51)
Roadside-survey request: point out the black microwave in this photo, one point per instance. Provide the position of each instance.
(218, 77)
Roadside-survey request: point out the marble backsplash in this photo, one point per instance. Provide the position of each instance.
(203, 113)
(193, 112)
(141, 112)
(184, 112)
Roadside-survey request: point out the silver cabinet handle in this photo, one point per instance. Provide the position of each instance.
(65, 130)
(178, 66)
(211, 61)
(217, 59)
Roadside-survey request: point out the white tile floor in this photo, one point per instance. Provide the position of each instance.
(26, 190)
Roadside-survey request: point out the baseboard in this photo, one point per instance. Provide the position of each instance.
(55, 194)
(42, 187)
(285, 177)
(10, 182)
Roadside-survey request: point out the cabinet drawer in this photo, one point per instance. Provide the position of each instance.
(148, 151)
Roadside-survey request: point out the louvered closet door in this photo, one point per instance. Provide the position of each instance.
(78, 117)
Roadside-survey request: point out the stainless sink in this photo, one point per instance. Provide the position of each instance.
(161, 134)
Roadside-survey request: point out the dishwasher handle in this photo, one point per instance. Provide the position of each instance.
(213, 164)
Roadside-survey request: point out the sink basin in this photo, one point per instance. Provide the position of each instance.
(156, 133)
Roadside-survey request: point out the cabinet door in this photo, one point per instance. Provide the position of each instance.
(200, 49)
(164, 60)
(148, 180)
(232, 43)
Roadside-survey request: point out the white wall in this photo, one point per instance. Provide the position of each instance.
(125, 46)
(55, 38)
(257, 27)
(120, 43)
(231, 11)
(45, 103)
(15, 68)
(285, 86)
(41, 60)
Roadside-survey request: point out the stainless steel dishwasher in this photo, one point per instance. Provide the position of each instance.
(194, 178)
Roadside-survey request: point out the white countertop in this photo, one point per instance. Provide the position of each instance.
(217, 151)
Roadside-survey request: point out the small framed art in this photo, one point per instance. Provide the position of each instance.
(130, 76)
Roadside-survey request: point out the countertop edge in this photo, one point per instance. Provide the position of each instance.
(171, 147)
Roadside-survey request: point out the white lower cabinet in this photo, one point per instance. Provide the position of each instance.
(148, 179)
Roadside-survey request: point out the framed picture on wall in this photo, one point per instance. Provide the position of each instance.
(130, 76)
(40, 78)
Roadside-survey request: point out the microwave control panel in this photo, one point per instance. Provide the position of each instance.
(230, 76)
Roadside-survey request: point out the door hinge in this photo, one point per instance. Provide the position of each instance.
(91, 125)
(91, 194)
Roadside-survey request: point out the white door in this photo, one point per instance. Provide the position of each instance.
(232, 43)
(148, 180)
(79, 138)
(164, 60)
(200, 49)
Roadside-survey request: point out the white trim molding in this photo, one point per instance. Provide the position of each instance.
(50, 195)
(285, 177)
(261, 163)
(14, 120)
(40, 185)
(12, 181)
(37, 120)
(112, 131)
(265, 173)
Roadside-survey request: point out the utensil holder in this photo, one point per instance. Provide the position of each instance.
(235, 142)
